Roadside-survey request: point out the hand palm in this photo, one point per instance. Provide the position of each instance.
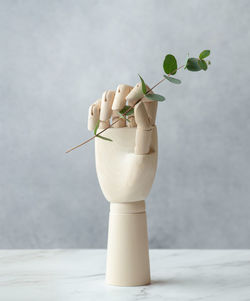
(123, 175)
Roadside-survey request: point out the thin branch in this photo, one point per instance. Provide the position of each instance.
(124, 114)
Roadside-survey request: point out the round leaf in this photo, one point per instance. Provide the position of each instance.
(193, 64)
(204, 54)
(155, 97)
(203, 65)
(170, 64)
(173, 80)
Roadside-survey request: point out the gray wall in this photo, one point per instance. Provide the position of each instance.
(57, 57)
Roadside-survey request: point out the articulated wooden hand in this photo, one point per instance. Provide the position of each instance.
(126, 166)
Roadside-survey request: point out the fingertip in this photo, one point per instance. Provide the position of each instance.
(120, 96)
(135, 94)
(106, 105)
(93, 116)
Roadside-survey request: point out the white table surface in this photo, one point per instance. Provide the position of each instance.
(79, 275)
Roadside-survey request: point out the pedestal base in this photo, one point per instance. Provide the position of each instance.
(127, 254)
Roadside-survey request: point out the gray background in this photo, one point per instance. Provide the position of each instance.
(57, 57)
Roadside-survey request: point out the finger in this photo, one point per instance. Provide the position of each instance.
(151, 109)
(104, 124)
(141, 116)
(144, 130)
(119, 122)
(120, 97)
(106, 105)
(136, 94)
(93, 116)
(118, 104)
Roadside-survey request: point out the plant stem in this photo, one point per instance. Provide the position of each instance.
(124, 114)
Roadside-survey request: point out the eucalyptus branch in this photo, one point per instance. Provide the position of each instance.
(170, 68)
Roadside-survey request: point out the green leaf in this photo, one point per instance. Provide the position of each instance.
(120, 114)
(193, 64)
(203, 65)
(104, 138)
(96, 127)
(99, 136)
(125, 109)
(204, 54)
(123, 117)
(172, 80)
(143, 86)
(155, 97)
(170, 64)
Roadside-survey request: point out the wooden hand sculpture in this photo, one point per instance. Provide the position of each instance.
(126, 169)
(126, 166)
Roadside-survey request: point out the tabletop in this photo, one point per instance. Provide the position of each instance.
(76, 274)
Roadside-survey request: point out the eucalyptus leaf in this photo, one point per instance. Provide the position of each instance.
(104, 138)
(170, 64)
(193, 64)
(204, 53)
(125, 109)
(203, 65)
(144, 89)
(173, 80)
(155, 97)
(96, 127)
(123, 117)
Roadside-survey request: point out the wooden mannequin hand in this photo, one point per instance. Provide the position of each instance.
(126, 166)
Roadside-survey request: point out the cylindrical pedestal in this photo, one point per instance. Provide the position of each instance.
(127, 254)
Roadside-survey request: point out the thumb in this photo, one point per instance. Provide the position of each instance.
(144, 130)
